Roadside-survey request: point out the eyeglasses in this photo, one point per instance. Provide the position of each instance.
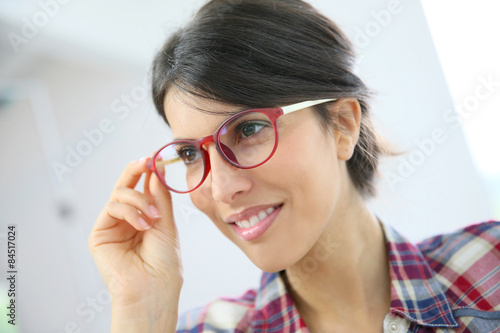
(246, 140)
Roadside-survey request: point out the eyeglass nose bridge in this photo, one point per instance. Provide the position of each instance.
(223, 150)
(203, 141)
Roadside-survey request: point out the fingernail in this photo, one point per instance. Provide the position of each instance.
(144, 224)
(142, 159)
(154, 211)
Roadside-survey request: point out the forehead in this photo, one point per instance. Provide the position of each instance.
(192, 117)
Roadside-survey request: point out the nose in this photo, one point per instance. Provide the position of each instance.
(226, 182)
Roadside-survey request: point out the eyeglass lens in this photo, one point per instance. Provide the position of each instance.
(245, 140)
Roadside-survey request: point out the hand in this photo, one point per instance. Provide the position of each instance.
(135, 245)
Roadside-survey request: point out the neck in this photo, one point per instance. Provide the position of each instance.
(345, 276)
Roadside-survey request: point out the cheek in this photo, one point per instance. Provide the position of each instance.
(307, 159)
(309, 173)
(203, 202)
(208, 206)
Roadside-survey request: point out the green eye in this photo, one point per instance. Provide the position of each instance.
(250, 129)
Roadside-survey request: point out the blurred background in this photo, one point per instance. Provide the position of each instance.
(75, 109)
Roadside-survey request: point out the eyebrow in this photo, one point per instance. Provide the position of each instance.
(229, 114)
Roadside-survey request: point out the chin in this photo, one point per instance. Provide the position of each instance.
(271, 268)
(270, 263)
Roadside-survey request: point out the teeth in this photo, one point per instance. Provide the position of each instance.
(254, 220)
(262, 215)
(245, 224)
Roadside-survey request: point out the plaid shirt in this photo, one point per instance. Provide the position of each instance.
(448, 283)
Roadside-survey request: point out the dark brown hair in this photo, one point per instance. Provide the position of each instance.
(263, 53)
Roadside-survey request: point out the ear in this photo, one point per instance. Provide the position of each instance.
(346, 113)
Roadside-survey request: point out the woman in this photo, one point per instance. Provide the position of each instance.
(274, 143)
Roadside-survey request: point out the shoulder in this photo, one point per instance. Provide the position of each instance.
(221, 315)
(467, 265)
(464, 247)
(488, 231)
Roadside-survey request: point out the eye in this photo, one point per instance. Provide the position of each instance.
(189, 155)
(248, 129)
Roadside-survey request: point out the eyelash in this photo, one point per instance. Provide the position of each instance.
(249, 122)
(183, 149)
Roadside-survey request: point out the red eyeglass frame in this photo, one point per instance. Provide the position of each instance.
(272, 113)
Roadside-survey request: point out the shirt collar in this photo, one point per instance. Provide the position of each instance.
(415, 292)
(274, 307)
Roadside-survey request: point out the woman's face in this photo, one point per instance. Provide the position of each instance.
(293, 197)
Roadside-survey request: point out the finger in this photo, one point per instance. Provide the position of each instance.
(147, 179)
(163, 201)
(140, 201)
(108, 230)
(132, 173)
(123, 212)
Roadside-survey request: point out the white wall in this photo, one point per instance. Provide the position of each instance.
(469, 54)
(72, 73)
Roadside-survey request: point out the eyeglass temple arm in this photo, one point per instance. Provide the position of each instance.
(286, 109)
(303, 105)
(167, 162)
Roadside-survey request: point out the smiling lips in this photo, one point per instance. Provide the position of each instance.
(252, 223)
